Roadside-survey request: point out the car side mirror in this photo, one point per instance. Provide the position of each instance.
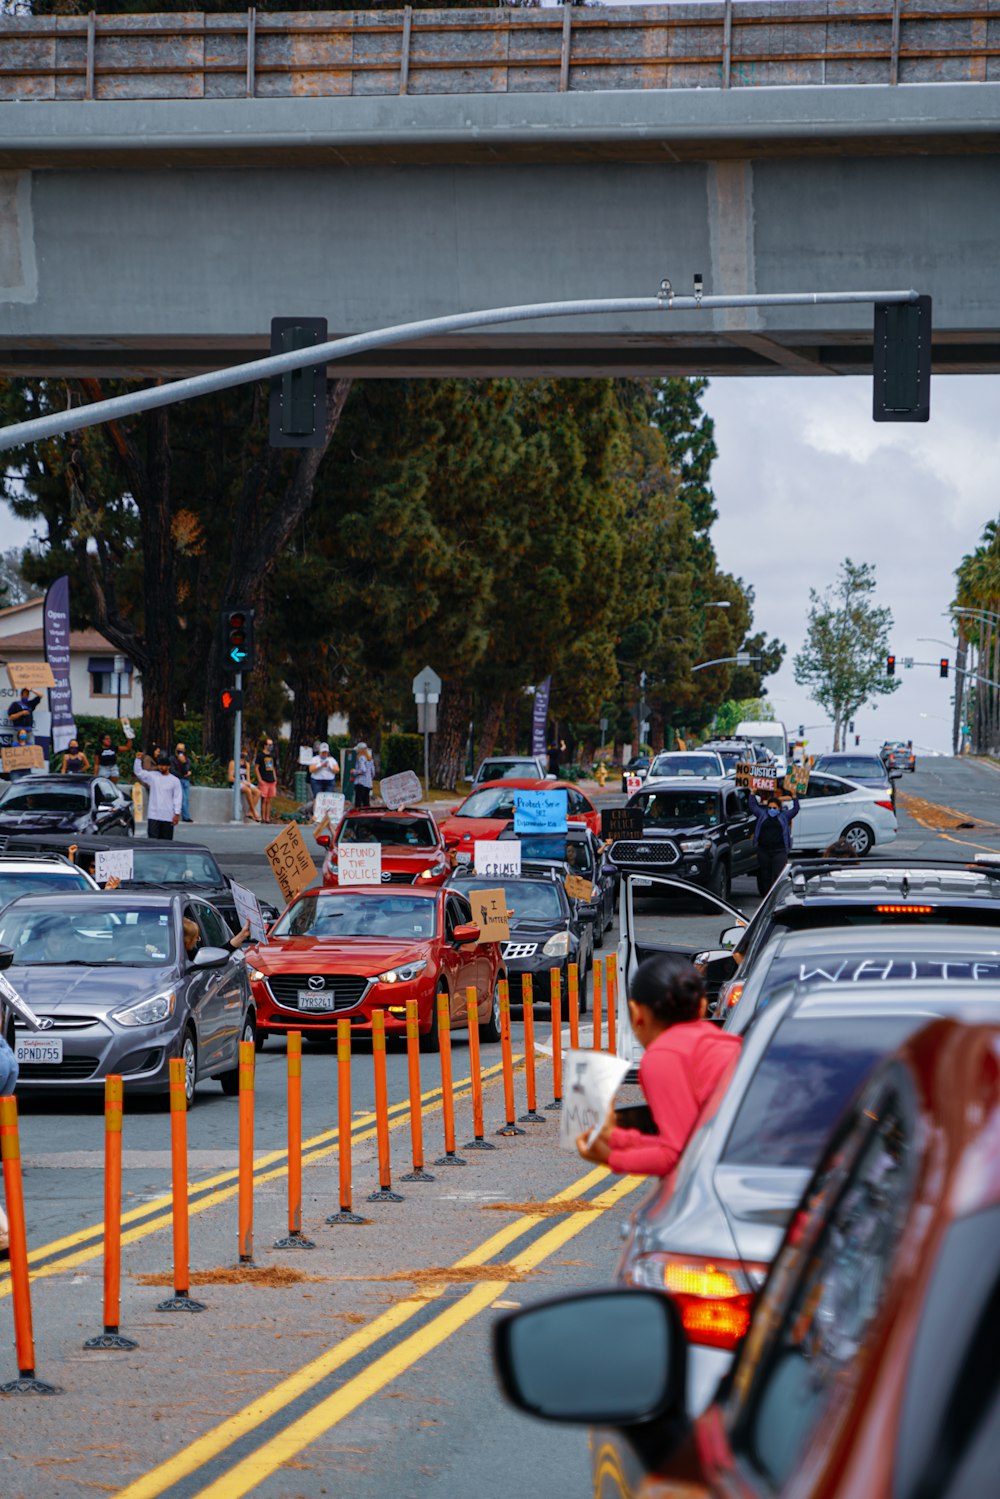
(731, 937)
(600, 1358)
(6, 957)
(895, 775)
(462, 936)
(211, 957)
(324, 839)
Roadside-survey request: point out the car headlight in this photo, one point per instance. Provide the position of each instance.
(256, 975)
(403, 974)
(150, 1011)
(434, 871)
(557, 946)
(695, 845)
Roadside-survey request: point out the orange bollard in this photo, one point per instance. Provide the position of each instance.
(385, 1192)
(346, 1213)
(555, 1004)
(245, 1215)
(113, 1108)
(598, 1006)
(180, 1301)
(295, 1238)
(611, 991)
(528, 1002)
(27, 1382)
(418, 1174)
(478, 1142)
(447, 1090)
(510, 1126)
(574, 1007)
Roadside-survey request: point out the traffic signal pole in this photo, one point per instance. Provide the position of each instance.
(237, 752)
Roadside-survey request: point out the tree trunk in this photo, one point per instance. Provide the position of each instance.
(836, 733)
(490, 731)
(656, 731)
(510, 728)
(448, 757)
(958, 717)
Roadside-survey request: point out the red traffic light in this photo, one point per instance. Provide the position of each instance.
(230, 701)
(890, 666)
(944, 666)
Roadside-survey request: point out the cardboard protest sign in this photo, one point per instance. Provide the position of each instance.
(489, 912)
(403, 790)
(20, 1006)
(249, 912)
(578, 888)
(359, 863)
(540, 811)
(290, 861)
(35, 675)
(113, 863)
(23, 757)
(797, 780)
(590, 1081)
(137, 811)
(498, 861)
(750, 777)
(329, 805)
(127, 728)
(621, 822)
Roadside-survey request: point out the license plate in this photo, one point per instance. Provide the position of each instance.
(29, 1052)
(310, 1001)
(462, 856)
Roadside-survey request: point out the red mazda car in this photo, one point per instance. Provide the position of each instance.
(489, 809)
(341, 953)
(413, 852)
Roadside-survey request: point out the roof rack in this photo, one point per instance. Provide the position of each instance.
(39, 856)
(819, 865)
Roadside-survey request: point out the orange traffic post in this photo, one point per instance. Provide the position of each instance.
(447, 1089)
(528, 1005)
(574, 1007)
(598, 1005)
(27, 1382)
(384, 1192)
(611, 991)
(113, 1109)
(295, 1238)
(479, 1141)
(245, 1214)
(418, 1174)
(555, 1006)
(181, 1300)
(344, 1140)
(510, 1122)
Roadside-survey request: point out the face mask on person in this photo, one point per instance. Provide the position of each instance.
(772, 811)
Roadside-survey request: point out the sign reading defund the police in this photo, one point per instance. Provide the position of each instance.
(590, 1081)
(496, 860)
(540, 811)
(289, 858)
(359, 863)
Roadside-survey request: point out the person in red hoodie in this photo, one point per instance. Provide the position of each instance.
(686, 1061)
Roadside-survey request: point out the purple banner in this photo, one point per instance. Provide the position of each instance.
(57, 655)
(540, 716)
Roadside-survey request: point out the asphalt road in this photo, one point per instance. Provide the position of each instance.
(371, 1375)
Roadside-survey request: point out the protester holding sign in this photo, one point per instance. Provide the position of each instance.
(106, 759)
(21, 714)
(772, 835)
(323, 771)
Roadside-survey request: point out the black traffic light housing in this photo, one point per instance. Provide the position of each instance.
(944, 666)
(231, 700)
(297, 407)
(237, 638)
(890, 666)
(901, 361)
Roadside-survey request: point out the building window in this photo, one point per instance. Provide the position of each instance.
(103, 682)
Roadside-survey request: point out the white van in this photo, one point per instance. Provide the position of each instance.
(771, 735)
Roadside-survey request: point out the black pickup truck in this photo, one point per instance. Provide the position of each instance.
(701, 833)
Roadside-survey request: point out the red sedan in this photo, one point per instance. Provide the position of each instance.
(413, 852)
(489, 809)
(340, 954)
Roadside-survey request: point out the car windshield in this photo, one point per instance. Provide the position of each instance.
(356, 915)
(851, 765)
(684, 765)
(531, 900)
(176, 865)
(507, 770)
(804, 1081)
(732, 756)
(397, 832)
(64, 799)
(494, 802)
(678, 809)
(39, 882)
(125, 936)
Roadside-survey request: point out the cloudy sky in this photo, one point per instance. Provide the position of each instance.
(805, 478)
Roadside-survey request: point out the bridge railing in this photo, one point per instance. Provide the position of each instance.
(746, 44)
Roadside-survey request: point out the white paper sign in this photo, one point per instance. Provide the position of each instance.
(403, 790)
(249, 912)
(632, 785)
(590, 1081)
(20, 1007)
(498, 861)
(306, 757)
(359, 863)
(113, 863)
(329, 804)
(127, 728)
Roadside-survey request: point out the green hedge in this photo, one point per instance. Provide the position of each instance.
(402, 752)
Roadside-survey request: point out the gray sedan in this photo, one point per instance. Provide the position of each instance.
(116, 991)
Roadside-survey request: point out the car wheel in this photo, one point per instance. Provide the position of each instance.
(719, 884)
(491, 1030)
(231, 1080)
(189, 1056)
(859, 837)
(431, 1040)
(599, 930)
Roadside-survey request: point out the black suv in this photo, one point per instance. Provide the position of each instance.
(702, 833)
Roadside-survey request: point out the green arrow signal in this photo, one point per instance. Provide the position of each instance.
(236, 654)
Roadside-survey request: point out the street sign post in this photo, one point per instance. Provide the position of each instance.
(427, 695)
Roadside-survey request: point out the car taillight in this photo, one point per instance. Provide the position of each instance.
(714, 1297)
(730, 994)
(887, 805)
(905, 910)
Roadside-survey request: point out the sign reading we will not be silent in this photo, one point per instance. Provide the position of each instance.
(291, 863)
(540, 811)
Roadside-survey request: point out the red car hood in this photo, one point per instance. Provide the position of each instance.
(361, 955)
(468, 829)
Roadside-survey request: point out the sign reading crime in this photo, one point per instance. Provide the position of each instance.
(621, 822)
(359, 863)
(498, 861)
(751, 777)
(578, 888)
(35, 675)
(113, 863)
(403, 790)
(249, 912)
(489, 912)
(289, 859)
(540, 811)
(23, 757)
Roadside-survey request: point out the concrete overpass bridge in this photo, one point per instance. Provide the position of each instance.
(168, 183)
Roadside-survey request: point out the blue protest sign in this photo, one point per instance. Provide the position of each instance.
(540, 811)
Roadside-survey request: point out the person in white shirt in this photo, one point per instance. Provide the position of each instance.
(323, 771)
(164, 811)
